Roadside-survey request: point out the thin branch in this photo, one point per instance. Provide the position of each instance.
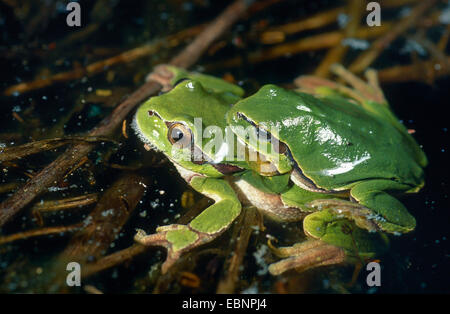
(38, 232)
(367, 58)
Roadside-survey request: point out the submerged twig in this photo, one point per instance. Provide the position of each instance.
(335, 55)
(426, 71)
(114, 259)
(103, 65)
(66, 203)
(364, 60)
(312, 43)
(277, 34)
(129, 253)
(17, 152)
(245, 226)
(102, 226)
(38, 232)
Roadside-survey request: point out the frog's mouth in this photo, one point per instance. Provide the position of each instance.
(199, 158)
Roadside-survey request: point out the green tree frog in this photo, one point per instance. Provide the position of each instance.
(330, 155)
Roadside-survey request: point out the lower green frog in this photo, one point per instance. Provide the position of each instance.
(332, 156)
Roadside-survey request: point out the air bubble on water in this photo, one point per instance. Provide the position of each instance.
(404, 12)
(253, 289)
(342, 20)
(108, 212)
(258, 255)
(355, 43)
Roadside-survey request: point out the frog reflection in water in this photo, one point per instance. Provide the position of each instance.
(334, 157)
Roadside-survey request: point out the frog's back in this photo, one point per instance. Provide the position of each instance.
(333, 141)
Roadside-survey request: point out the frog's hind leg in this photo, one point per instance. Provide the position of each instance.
(332, 240)
(306, 255)
(206, 227)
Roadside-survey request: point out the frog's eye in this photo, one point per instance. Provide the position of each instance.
(179, 135)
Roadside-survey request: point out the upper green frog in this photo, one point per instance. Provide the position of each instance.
(327, 154)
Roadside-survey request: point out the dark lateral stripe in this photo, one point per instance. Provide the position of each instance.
(227, 169)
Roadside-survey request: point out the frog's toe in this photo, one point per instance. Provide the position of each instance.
(177, 239)
(156, 239)
(162, 75)
(307, 255)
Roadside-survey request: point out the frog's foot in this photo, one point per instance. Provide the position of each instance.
(362, 216)
(334, 239)
(163, 75)
(306, 255)
(358, 90)
(369, 91)
(177, 239)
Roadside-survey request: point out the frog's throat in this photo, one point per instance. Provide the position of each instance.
(186, 174)
(140, 134)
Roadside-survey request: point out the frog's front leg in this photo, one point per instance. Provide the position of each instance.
(207, 226)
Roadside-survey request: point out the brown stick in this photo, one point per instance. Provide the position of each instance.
(249, 219)
(115, 206)
(316, 42)
(335, 54)
(103, 65)
(90, 70)
(114, 259)
(100, 228)
(38, 232)
(422, 72)
(318, 20)
(56, 170)
(367, 58)
(129, 253)
(21, 151)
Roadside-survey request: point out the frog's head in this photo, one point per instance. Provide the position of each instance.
(254, 122)
(174, 123)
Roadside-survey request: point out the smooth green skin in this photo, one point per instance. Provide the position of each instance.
(318, 145)
(341, 145)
